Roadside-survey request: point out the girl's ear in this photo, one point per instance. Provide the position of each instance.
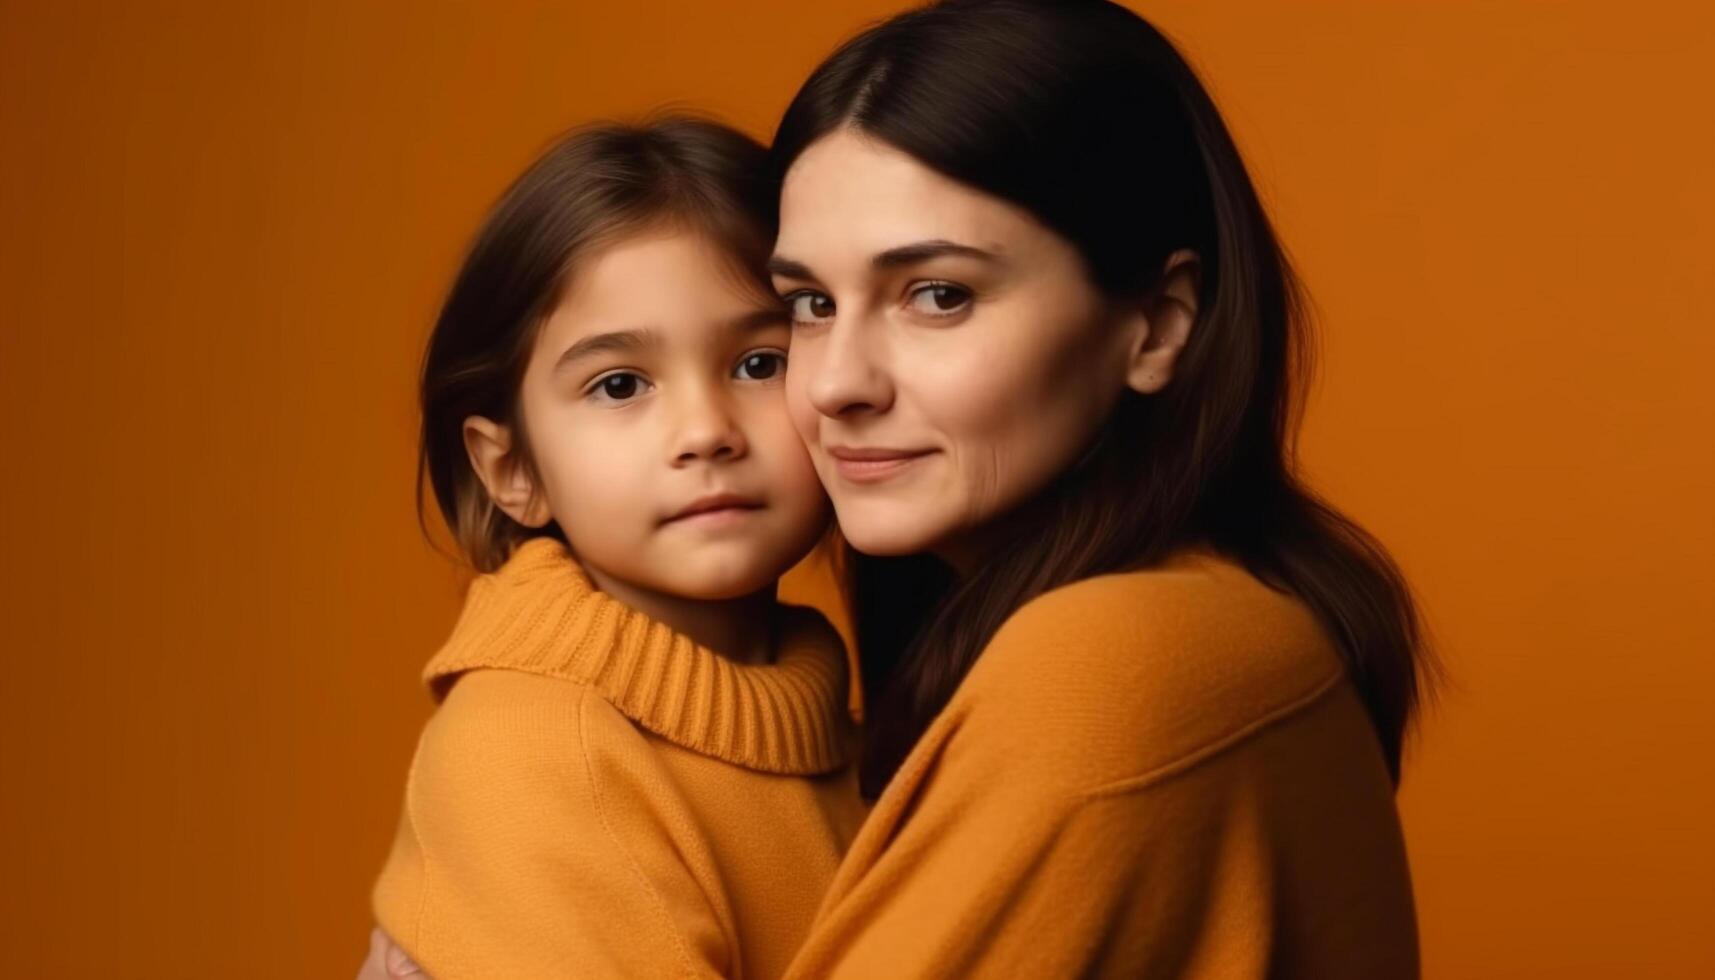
(1163, 324)
(503, 474)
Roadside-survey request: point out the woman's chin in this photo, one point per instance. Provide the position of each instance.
(888, 536)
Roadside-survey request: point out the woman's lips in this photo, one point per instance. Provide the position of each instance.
(863, 465)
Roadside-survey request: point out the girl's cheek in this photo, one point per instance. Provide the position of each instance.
(799, 411)
(785, 444)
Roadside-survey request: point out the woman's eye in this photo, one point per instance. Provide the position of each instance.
(761, 366)
(808, 307)
(619, 387)
(939, 299)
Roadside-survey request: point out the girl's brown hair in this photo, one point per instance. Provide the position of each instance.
(591, 187)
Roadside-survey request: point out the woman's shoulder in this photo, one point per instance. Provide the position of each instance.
(1154, 665)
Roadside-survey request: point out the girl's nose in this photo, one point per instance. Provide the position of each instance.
(706, 430)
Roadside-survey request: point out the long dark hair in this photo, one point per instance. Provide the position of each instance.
(1086, 116)
(593, 185)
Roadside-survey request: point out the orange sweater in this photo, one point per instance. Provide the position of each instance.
(1162, 773)
(599, 796)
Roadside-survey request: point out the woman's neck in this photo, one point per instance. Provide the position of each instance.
(969, 550)
(740, 629)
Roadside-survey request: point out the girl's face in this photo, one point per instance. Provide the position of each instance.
(654, 409)
(950, 355)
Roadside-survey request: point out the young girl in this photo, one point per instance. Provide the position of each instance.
(639, 766)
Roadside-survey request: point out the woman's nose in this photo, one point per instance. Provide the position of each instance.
(706, 428)
(847, 371)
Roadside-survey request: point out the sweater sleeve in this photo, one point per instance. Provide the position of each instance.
(1077, 811)
(532, 844)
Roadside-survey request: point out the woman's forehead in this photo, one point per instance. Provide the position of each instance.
(849, 197)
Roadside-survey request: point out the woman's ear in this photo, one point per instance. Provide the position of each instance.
(503, 474)
(1164, 324)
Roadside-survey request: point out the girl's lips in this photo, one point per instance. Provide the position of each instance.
(717, 517)
(716, 509)
(873, 465)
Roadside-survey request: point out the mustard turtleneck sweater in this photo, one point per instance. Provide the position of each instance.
(1159, 773)
(598, 795)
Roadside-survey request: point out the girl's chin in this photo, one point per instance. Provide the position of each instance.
(718, 577)
(720, 588)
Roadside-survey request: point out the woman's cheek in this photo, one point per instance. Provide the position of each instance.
(1009, 433)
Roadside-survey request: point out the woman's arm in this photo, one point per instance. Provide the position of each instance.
(1263, 859)
(1185, 788)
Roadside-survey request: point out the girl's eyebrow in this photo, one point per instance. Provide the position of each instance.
(758, 319)
(606, 343)
(641, 338)
(893, 258)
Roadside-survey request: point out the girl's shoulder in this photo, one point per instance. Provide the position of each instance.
(501, 737)
(494, 719)
(1151, 666)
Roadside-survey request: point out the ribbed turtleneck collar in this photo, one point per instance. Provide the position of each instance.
(539, 613)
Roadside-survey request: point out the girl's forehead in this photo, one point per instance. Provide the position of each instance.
(675, 271)
(670, 289)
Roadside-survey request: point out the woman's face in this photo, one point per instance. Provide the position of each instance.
(950, 355)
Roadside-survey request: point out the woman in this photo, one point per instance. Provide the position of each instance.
(1149, 722)
(1137, 697)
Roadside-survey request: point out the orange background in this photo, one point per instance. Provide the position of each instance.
(224, 232)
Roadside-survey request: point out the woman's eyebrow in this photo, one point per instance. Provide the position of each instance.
(892, 258)
(780, 265)
(605, 343)
(935, 248)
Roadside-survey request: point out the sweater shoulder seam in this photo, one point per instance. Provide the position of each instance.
(655, 898)
(1213, 748)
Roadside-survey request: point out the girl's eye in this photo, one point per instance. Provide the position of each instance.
(619, 387)
(808, 307)
(761, 365)
(939, 299)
